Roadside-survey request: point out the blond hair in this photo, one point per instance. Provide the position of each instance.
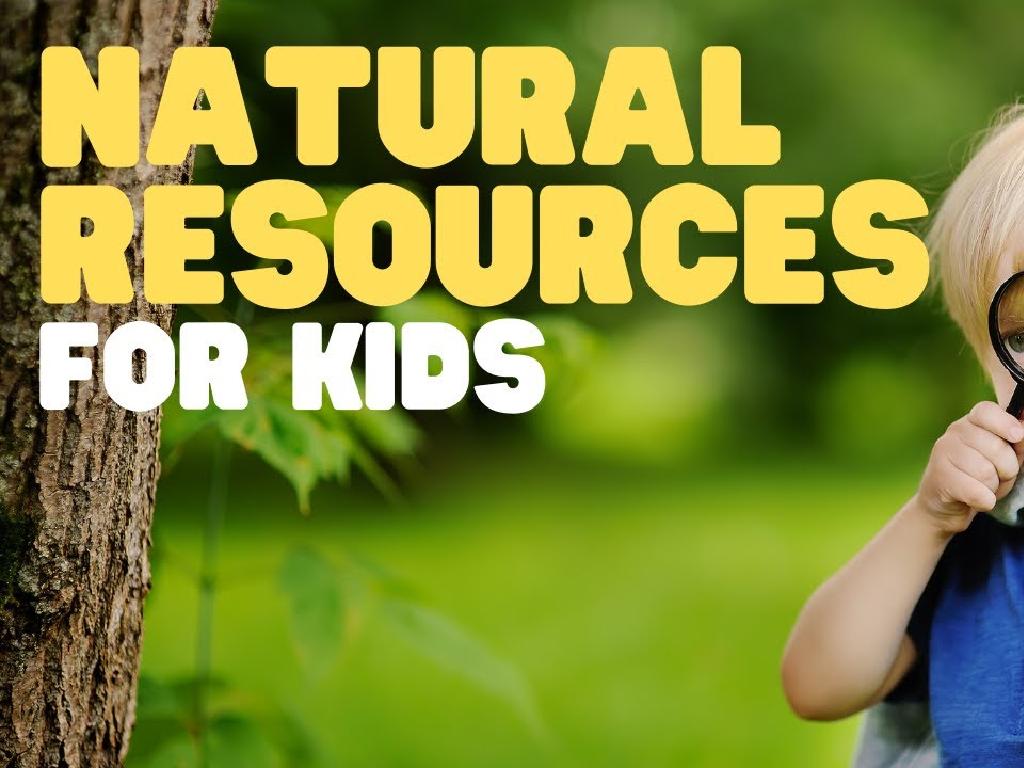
(976, 224)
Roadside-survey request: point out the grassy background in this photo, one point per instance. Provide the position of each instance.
(647, 616)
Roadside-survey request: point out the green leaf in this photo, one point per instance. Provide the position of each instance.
(295, 443)
(294, 740)
(234, 740)
(451, 647)
(315, 605)
(382, 579)
(159, 741)
(163, 717)
(242, 730)
(389, 433)
(158, 698)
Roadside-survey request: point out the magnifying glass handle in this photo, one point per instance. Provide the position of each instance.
(1016, 406)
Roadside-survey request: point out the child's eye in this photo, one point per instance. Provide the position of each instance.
(1013, 338)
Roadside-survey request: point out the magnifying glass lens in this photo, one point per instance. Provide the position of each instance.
(1006, 330)
(1010, 326)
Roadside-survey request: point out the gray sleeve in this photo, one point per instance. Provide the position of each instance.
(896, 735)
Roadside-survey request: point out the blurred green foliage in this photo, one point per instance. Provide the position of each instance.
(646, 611)
(187, 721)
(858, 91)
(636, 548)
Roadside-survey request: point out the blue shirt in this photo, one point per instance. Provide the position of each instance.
(968, 628)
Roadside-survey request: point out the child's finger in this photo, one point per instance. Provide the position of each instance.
(972, 492)
(973, 463)
(993, 448)
(990, 416)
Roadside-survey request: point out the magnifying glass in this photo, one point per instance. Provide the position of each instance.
(1006, 329)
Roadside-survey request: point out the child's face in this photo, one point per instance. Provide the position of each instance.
(1002, 382)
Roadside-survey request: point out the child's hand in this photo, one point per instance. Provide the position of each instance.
(972, 466)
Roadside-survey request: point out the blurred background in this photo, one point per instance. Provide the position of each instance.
(610, 579)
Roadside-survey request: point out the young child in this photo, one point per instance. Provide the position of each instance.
(932, 608)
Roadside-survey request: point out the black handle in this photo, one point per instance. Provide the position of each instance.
(1016, 406)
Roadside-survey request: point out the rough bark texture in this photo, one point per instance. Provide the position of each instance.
(76, 487)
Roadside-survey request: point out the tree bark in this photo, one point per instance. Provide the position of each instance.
(76, 487)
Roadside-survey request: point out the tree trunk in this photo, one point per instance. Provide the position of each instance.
(76, 487)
